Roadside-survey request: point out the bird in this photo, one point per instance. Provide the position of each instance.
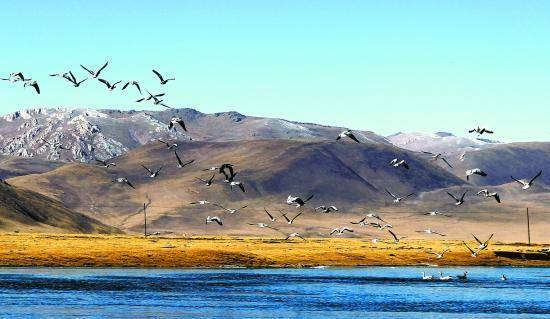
(290, 221)
(444, 278)
(73, 80)
(460, 201)
(96, 73)
(375, 216)
(340, 231)
(123, 180)
(14, 77)
(33, 84)
(262, 225)
(395, 237)
(295, 200)
(349, 134)
(480, 130)
(151, 96)
(438, 255)
(377, 225)
(211, 219)
(109, 85)
(430, 232)
(397, 199)
(153, 174)
(105, 163)
(474, 171)
(464, 276)
(396, 163)
(230, 211)
(424, 277)
(64, 75)
(486, 193)
(362, 222)
(134, 83)
(503, 277)
(271, 217)
(462, 157)
(294, 235)
(485, 244)
(208, 182)
(177, 121)
(325, 209)
(162, 80)
(436, 213)
(527, 184)
(238, 184)
(473, 253)
(169, 146)
(437, 156)
(227, 170)
(200, 202)
(180, 163)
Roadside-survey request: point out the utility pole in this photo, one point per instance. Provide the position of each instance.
(145, 220)
(528, 228)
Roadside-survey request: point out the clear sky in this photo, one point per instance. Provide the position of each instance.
(385, 66)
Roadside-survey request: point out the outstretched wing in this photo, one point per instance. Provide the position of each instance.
(537, 176)
(444, 160)
(158, 74)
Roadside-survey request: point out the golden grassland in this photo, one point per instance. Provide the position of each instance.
(133, 251)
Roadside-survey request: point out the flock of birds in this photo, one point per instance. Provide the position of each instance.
(229, 174)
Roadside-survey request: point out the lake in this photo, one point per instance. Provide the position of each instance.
(373, 292)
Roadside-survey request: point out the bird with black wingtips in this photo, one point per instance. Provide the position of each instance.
(397, 199)
(396, 238)
(71, 78)
(271, 217)
(169, 146)
(326, 209)
(294, 235)
(105, 163)
(96, 73)
(486, 193)
(483, 244)
(177, 121)
(207, 182)
(110, 86)
(152, 174)
(473, 253)
(295, 200)
(123, 180)
(180, 163)
(33, 84)
(134, 83)
(341, 231)
(480, 130)
(349, 134)
(211, 219)
(527, 183)
(240, 185)
(200, 202)
(290, 221)
(436, 213)
(162, 79)
(229, 210)
(436, 157)
(475, 171)
(398, 163)
(438, 255)
(458, 201)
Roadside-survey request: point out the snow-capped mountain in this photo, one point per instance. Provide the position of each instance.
(85, 134)
(440, 142)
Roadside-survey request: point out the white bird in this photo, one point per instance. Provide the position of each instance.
(375, 216)
(290, 221)
(377, 225)
(200, 202)
(484, 244)
(180, 163)
(162, 80)
(438, 255)
(340, 231)
(527, 184)
(216, 219)
(436, 157)
(123, 180)
(262, 225)
(105, 163)
(33, 84)
(397, 199)
(444, 278)
(503, 277)
(238, 184)
(134, 83)
(271, 217)
(462, 157)
(177, 121)
(325, 209)
(396, 163)
(472, 252)
(486, 193)
(110, 86)
(152, 174)
(229, 210)
(294, 235)
(436, 213)
(480, 130)
(395, 237)
(474, 171)
(96, 73)
(464, 276)
(295, 200)
(430, 232)
(207, 182)
(349, 134)
(458, 201)
(424, 277)
(169, 146)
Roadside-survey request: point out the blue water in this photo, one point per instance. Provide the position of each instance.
(378, 292)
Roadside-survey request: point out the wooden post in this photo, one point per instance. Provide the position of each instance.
(145, 220)
(528, 228)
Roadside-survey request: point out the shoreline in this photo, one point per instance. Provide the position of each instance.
(125, 251)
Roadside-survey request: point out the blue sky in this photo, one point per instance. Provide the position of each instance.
(385, 66)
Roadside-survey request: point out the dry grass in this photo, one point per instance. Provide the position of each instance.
(132, 251)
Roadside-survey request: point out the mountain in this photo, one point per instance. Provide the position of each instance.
(86, 134)
(28, 211)
(350, 175)
(440, 142)
(12, 166)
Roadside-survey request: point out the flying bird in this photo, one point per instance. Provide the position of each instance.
(200, 202)
(436, 157)
(340, 231)
(162, 80)
(169, 146)
(480, 130)
(262, 225)
(238, 184)
(430, 232)
(105, 163)
(271, 217)
(473, 253)
(123, 180)
(290, 221)
(527, 184)
(438, 255)
(211, 219)
(73, 79)
(109, 85)
(152, 174)
(458, 201)
(176, 121)
(396, 163)
(436, 213)
(294, 235)
(33, 84)
(96, 73)
(208, 182)
(229, 210)
(474, 171)
(326, 209)
(349, 134)
(295, 200)
(484, 244)
(134, 83)
(180, 163)
(486, 193)
(395, 237)
(397, 199)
